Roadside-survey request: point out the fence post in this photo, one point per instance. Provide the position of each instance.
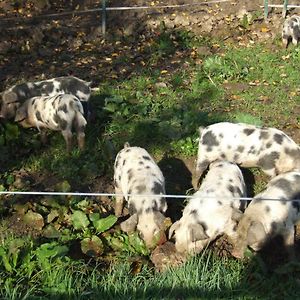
(284, 10)
(103, 17)
(266, 10)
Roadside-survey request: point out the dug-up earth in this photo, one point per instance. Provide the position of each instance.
(40, 39)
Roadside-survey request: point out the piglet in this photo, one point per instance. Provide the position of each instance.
(213, 210)
(60, 113)
(266, 217)
(137, 174)
(248, 146)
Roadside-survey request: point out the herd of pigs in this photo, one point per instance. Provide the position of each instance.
(217, 207)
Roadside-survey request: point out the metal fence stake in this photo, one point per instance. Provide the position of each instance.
(284, 10)
(266, 9)
(104, 17)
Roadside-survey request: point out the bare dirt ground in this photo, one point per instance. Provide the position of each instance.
(36, 44)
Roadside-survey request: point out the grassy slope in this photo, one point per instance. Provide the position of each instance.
(160, 107)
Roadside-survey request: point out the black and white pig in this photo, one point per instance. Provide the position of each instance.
(264, 219)
(248, 146)
(291, 30)
(213, 210)
(136, 173)
(60, 112)
(13, 97)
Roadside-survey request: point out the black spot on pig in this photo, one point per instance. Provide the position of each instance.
(132, 208)
(284, 185)
(130, 174)
(294, 153)
(264, 134)
(140, 189)
(278, 138)
(124, 162)
(248, 131)
(267, 162)
(63, 108)
(38, 116)
(223, 155)
(203, 165)
(61, 122)
(267, 209)
(72, 85)
(155, 206)
(268, 145)
(157, 188)
(296, 205)
(230, 188)
(193, 213)
(220, 202)
(149, 210)
(240, 148)
(209, 139)
(146, 157)
(236, 157)
(47, 88)
(141, 162)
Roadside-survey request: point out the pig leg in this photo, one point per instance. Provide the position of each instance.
(67, 134)
(44, 138)
(288, 239)
(119, 202)
(80, 127)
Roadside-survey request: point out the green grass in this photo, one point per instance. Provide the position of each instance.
(159, 107)
(203, 277)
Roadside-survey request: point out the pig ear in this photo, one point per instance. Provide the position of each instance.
(174, 227)
(9, 97)
(21, 113)
(236, 215)
(130, 224)
(197, 232)
(256, 233)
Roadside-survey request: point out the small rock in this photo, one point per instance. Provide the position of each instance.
(166, 256)
(160, 85)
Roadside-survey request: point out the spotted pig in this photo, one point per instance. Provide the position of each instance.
(136, 173)
(60, 112)
(291, 30)
(248, 146)
(13, 97)
(264, 219)
(213, 210)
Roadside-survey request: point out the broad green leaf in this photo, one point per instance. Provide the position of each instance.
(105, 223)
(80, 220)
(52, 215)
(94, 217)
(138, 244)
(92, 246)
(34, 220)
(51, 250)
(51, 232)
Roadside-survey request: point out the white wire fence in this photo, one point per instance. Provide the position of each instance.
(83, 194)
